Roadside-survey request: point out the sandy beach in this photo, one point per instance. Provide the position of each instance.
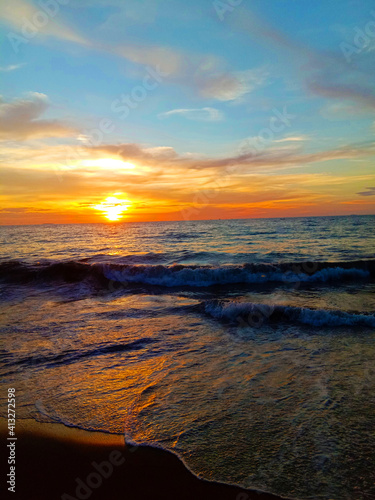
(54, 462)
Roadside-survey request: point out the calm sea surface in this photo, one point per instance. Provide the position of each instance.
(246, 347)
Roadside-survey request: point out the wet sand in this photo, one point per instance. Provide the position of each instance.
(54, 462)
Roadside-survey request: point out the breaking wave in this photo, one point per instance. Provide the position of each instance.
(186, 275)
(254, 314)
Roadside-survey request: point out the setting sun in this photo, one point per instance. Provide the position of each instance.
(113, 208)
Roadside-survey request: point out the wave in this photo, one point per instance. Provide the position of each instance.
(177, 276)
(256, 314)
(72, 356)
(186, 275)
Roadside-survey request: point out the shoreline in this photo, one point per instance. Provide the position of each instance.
(63, 463)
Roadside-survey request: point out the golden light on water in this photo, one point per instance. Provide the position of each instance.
(113, 208)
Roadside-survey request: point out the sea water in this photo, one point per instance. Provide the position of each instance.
(246, 347)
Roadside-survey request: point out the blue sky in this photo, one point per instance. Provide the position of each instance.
(282, 91)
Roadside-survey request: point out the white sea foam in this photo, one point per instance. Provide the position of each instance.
(233, 311)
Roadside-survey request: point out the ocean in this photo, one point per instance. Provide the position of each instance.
(246, 347)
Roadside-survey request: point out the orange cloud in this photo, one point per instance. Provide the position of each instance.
(270, 157)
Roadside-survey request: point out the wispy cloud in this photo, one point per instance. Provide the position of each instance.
(370, 191)
(198, 114)
(330, 87)
(272, 158)
(20, 119)
(20, 14)
(341, 110)
(10, 67)
(293, 138)
(207, 75)
(166, 60)
(231, 86)
(325, 74)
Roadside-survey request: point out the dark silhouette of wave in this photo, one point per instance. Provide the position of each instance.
(185, 275)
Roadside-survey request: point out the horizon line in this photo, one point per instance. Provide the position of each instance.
(108, 223)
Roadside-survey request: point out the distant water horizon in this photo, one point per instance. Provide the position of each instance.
(244, 346)
(124, 221)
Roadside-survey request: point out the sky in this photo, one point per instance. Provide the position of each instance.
(151, 110)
